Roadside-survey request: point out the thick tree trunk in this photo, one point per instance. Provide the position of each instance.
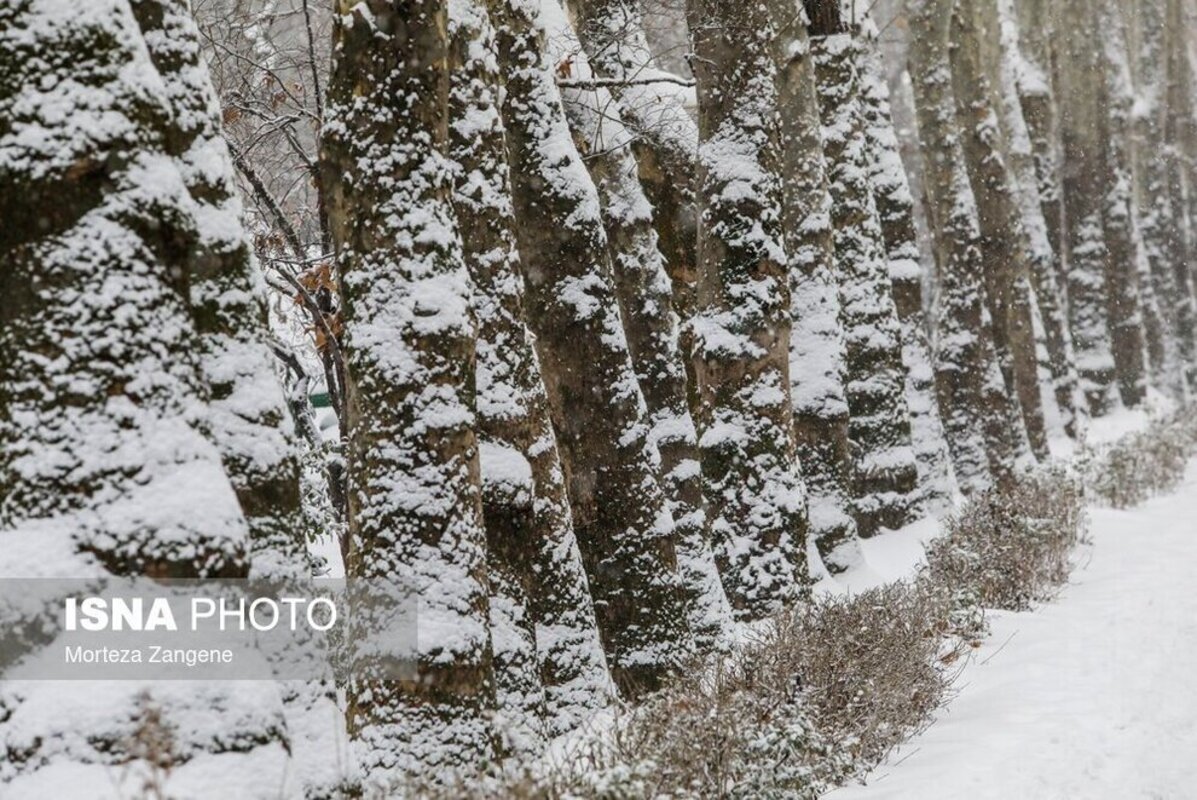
(1078, 79)
(754, 491)
(1036, 90)
(1182, 84)
(249, 418)
(1178, 124)
(895, 208)
(1005, 245)
(981, 424)
(1130, 318)
(1154, 330)
(646, 308)
(506, 373)
(1161, 221)
(885, 485)
(621, 516)
(665, 135)
(1025, 164)
(817, 367)
(107, 466)
(414, 485)
(532, 549)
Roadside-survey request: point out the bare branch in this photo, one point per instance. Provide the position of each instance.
(602, 83)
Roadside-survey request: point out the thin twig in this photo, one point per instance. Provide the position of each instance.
(602, 83)
(267, 199)
(1000, 649)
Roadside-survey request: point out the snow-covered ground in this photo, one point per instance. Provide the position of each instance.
(1089, 697)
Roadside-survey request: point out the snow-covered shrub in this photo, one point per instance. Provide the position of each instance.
(1143, 464)
(822, 692)
(737, 726)
(1011, 546)
(740, 727)
(874, 666)
(825, 690)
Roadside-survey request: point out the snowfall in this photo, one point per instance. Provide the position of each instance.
(1088, 697)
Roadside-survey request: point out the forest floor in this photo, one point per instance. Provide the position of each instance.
(1091, 696)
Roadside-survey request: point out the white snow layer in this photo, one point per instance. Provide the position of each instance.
(1090, 696)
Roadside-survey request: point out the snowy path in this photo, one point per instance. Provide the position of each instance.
(1092, 697)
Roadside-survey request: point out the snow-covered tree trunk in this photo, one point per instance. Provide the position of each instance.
(1005, 245)
(755, 495)
(895, 208)
(1130, 318)
(642, 288)
(107, 463)
(1078, 79)
(980, 423)
(621, 516)
(1182, 83)
(817, 367)
(1161, 221)
(1157, 369)
(249, 418)
(1036, 78)
(415, 512)
(540, 598)
(1177, 123)
(665, 135)
(1014, 72)
(885, 483)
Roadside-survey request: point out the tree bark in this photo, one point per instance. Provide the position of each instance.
(248, 413)
(1077, 84)
(1181, 87)
(1131, 316)
(415, 512)
(885, 485)
(1161, 220)
(1038, 99)
(106, 464)
(665, 136)
(895, 209)
(1033, 165)
(817, 366)
(1005, 245)
(625, 531)
(753, 488)
(981, 423)
(1178, 124)
(642, 288)
(248, 417)
(540, 596)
